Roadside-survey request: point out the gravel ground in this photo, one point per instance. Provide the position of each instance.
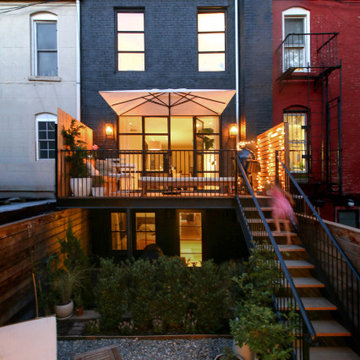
(134, 349)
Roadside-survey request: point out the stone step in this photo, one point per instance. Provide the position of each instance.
(298, 264)
(307, 282)
(329, 328)
(310, 304)
(332, 353)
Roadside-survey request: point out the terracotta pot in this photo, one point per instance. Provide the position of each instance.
(64, 311)
(244, 352)
(79, 311)
(80, 186)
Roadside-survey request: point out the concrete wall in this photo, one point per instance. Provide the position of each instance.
(170, 54)
(22, 98)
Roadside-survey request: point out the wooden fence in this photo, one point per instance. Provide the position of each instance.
(26, 243)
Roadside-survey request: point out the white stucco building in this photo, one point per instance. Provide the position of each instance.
(38, 73)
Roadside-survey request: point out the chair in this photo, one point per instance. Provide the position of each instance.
(105, 353)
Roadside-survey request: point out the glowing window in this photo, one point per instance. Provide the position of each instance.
(145, 230)
(130, 41)
(297, 141)
(118, 231)
(211, 41)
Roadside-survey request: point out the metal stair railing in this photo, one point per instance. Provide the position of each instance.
(335, 269)
(290, 299)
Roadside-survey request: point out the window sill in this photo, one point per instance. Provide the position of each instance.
(45, 78)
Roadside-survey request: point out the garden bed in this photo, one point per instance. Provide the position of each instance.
(136, 348)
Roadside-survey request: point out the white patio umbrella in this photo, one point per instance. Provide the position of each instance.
(168, 102)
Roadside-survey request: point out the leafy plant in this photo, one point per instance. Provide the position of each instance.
(207, 141)
(111, 293)
(77, 155)
(256, 324)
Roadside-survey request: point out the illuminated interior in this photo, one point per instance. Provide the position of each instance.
(145, 229)
(190, 235)
(118, 231)
(211, 41)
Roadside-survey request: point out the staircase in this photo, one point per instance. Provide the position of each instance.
(331, 335)
(316, 278)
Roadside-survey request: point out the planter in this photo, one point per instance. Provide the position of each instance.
(222, 356)
(80, 186)
(98, 191)
(64, 311)
(79, 311)
(243, 352)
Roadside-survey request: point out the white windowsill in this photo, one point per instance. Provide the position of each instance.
(44, 78)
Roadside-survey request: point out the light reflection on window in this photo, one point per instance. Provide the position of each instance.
(131, 41)
(211, 41)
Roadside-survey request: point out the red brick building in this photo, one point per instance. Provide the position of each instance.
(316, 91)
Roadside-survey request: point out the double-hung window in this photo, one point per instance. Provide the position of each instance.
(45, 46)
(46, 133)
(211, 40)
(296, 28)
(130, 41)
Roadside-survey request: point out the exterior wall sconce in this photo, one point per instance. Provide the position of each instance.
(233, 131)
(109, 130)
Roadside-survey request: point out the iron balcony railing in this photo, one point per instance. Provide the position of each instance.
(148, 173)
(337, 272)
(286, 296)
(308, 52)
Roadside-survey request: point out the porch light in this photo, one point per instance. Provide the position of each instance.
(233, 131)
(109, 130)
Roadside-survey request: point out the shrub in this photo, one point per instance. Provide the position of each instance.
(210, 298)
(111, 293)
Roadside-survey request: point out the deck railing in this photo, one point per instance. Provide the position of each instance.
(148, 173)
(285, 295)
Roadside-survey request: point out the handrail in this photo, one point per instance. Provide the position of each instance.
(319, 219)
(299, 303)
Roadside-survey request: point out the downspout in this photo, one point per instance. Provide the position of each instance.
(78, 83)
(237, 70)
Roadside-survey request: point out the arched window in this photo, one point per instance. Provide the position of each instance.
(296, 36)
(44, 44)
(46, 136)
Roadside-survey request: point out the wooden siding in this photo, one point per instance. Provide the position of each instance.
(28, 242)
(64, 122)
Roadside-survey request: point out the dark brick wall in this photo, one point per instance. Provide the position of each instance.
(255, 23)
(171, 54)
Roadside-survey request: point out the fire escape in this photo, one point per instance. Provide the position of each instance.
(310, 60)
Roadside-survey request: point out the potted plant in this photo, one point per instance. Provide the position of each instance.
(79, 303)
(256, 328)
(208, 142)
(80, 181)
(98, 186)
(66, 281)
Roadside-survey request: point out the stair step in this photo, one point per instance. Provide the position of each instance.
(298, 264)
(259, 221)
(275, 234)
(310, 303)
(307, 282)
(329, 328)
(332, 353)
(290, 248)
(253, 208)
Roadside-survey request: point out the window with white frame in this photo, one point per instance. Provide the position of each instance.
(44, 45)
(211, 40)
(296, 36)
(131, 41)
(46, 134)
